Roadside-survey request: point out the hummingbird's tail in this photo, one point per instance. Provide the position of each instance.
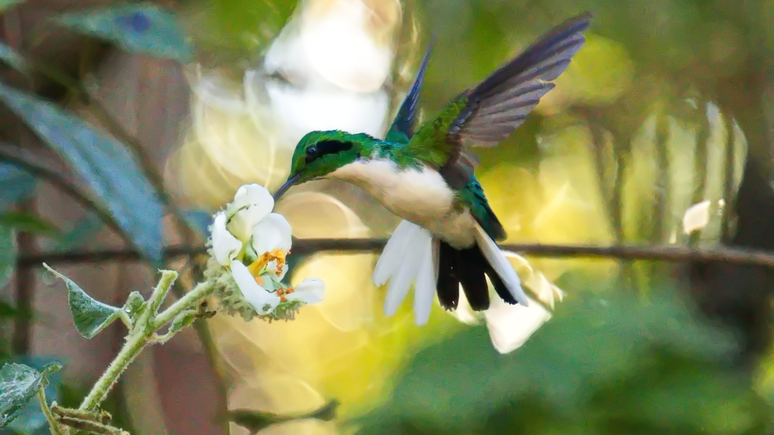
(412, 255)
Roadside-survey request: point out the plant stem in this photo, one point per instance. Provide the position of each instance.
(52, 423)
(138, 338)
(188, 301)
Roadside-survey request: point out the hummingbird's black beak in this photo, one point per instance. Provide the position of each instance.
(288, 184)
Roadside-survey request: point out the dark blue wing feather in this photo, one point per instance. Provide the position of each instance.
(402, 128)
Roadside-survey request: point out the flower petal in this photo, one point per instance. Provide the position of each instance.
(224, 245)
(310, 290)
(262, 301)
(252, 203)
(272, 233)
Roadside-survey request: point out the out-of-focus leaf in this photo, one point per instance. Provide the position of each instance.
(14, 184)
(200, 220)
(12, 58)
(81, 232)
(18, 384)
(103, 162)
(7, 4)
(28, 222)
(8, 253)
(144, 29)
(603, 365)
(89, 315)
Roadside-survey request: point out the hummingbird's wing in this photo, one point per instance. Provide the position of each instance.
(490, 112)
(402, 128)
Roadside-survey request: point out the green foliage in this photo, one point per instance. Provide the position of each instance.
(604, 365)
(144, 29)
(89, 315)
(18, 384)
(103, 163)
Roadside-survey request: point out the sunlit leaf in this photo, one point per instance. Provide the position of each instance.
(18, 384)
(14, 184)
(12, 58)
(89, 315)
(8, 253)
(143, 29)
(103, 162)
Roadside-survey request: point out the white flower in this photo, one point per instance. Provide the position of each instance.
(249, 246)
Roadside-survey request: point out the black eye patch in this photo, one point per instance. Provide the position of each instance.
(324, 148)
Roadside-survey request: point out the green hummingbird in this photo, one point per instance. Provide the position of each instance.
(448, 235)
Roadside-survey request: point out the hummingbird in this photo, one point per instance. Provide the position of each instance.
(448, 235)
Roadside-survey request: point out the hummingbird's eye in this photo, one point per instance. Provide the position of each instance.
(311, 151)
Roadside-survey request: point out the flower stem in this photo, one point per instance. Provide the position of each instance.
(139, 337)
(52, 423)
(187, 302)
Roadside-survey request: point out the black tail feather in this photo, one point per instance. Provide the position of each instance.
(470, 268)
(448, 285)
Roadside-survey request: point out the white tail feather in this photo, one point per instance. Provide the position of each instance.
(424, 288)
(402, 266)
(394, 252)
(501, 265)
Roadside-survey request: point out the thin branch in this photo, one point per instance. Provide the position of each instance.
(348, 246)
(32, 164)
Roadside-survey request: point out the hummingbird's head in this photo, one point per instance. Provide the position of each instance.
(320, 153)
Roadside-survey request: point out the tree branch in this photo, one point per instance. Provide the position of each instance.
(310, 246)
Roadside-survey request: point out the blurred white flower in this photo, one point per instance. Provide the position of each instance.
(510, 326)
(249, 245)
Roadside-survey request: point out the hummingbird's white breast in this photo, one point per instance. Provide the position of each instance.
(418, 195)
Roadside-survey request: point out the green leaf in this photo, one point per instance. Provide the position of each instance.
(29, 223)
(143, 29)
(14, 184)
(8, 254)
(18, 384)
(89, 315)
(30, 419)
(12, 58)
(103, 162)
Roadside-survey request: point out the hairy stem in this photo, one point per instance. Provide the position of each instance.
(187, 302)
(52, 423)
(139, 337)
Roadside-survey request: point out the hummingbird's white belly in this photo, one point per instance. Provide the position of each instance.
(419, 195)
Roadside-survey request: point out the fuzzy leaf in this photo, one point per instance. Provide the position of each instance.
(103, 162)
(181, 321)
(143, 29)
(89, 315)
(18, 384)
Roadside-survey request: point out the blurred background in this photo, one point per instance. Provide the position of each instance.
(659, 135)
